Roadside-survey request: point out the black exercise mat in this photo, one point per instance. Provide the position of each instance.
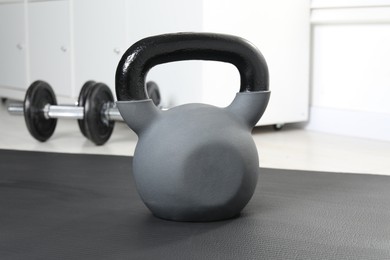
(66, 206)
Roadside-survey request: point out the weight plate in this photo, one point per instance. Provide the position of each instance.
(97, 128)
(81, 102)
(153, 92)
(38, 95)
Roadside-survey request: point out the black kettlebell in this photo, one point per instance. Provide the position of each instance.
(194, 162)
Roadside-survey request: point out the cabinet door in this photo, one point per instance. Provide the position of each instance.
(179, 82)
(13, 70)
(281, 30)
(99, 36)
(49, 36)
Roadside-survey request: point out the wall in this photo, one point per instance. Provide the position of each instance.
(351, 68)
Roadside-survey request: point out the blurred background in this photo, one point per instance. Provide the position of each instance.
(329, 60)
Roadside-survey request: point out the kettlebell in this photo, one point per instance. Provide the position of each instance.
(193, 162)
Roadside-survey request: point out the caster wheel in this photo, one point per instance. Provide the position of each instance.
(278, 127)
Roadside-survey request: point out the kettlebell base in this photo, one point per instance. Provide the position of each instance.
(200, 218)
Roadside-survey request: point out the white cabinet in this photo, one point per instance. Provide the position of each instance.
(13, 56)
(99, 40)
(50, 46)
(280, 29)
(72, 41)
(179, 82)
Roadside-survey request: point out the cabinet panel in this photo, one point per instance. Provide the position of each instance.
(13, 71)
(179, 82)
(281, 30)
(49, 36)
(99, 36)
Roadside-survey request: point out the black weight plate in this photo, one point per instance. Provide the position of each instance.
(153, 92)
(97, 129)
(81, 102)
(38, 95)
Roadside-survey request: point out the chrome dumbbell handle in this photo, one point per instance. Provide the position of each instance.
(63, 111)
(15, 109)
(50, 111)
(110, 112)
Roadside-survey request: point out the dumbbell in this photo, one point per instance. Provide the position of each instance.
(96, 111)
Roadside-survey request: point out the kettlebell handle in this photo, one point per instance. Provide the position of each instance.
(149, 52)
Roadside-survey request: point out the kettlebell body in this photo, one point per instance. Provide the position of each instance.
(194, 162)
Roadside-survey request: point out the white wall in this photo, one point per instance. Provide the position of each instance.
(351, 68)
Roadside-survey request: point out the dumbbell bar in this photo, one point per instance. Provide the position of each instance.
(96, 110)
(66, 111)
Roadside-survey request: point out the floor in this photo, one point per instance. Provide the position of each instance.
(293, 147)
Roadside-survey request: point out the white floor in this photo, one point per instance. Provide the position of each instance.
(290, 148)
